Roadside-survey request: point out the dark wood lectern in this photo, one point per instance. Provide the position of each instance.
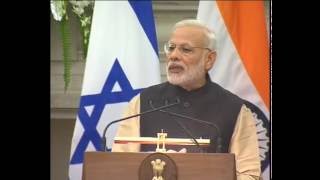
(190, 166)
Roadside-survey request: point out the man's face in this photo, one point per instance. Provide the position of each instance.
(186, 65)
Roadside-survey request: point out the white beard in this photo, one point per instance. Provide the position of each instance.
(188, 76)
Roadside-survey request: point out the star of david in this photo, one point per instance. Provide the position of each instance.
(105, 97)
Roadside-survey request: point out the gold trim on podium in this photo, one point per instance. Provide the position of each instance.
(168, 141)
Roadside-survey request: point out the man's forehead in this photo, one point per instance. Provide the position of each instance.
(189, 30)
(188, 35)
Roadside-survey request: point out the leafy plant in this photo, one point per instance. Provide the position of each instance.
(84, 11)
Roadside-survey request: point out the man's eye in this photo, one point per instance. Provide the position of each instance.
(171, 48)
(186, 50)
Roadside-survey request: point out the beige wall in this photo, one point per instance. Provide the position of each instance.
(64, 104)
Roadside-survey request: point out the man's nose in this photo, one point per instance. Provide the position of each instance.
(175, 54)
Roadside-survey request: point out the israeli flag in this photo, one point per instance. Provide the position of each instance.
(122, 60)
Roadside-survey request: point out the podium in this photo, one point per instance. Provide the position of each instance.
(190, 166)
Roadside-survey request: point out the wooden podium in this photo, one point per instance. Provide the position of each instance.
(190, 166)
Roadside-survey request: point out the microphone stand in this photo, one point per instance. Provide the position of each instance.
(183, 127)
(219, 139)
(104, 146)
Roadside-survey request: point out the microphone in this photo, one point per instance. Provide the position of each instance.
(104, 139)
(219, 139)
(183, 127)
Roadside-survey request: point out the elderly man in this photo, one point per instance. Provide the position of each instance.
(190, 55)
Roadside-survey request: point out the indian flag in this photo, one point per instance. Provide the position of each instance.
(243, 62)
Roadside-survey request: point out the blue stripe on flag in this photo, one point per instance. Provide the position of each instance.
(144, 12)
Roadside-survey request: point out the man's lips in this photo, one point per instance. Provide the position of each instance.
(174, 68)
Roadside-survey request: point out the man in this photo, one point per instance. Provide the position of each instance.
(190, 55)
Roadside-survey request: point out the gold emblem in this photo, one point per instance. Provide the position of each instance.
(158, 167)
(161, 139)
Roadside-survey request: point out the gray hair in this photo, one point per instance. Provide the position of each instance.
(212, 42)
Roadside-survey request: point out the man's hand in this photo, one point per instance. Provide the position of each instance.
(183, 150)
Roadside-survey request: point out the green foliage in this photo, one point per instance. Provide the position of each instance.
(66, 44)
(84, 10)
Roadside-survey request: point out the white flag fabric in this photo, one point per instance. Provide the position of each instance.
(122, 60)
(242, 65)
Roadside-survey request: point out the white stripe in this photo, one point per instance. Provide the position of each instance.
(74, 172)
(266, 173)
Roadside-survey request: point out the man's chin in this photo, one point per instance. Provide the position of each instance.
(175, 79)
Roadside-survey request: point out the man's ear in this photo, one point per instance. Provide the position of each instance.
(210, 60)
